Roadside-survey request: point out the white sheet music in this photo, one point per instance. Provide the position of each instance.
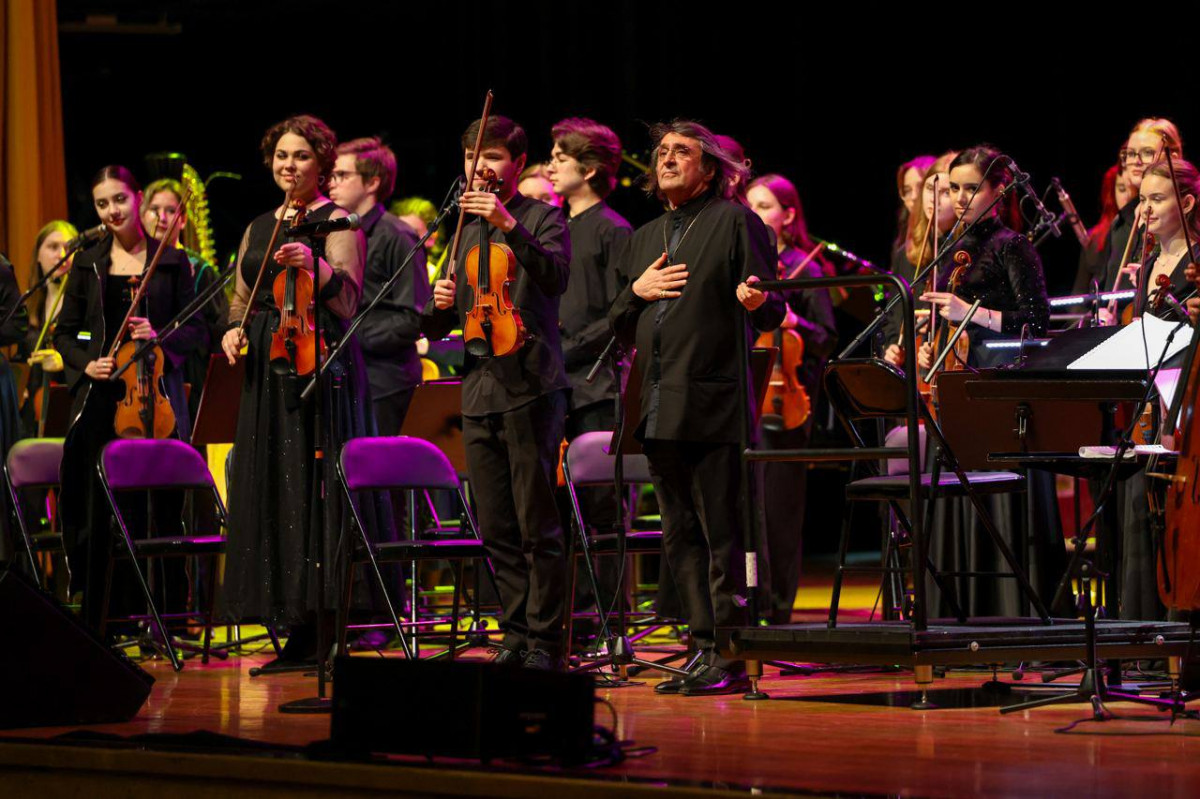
(1126, 349)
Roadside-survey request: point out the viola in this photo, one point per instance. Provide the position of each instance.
(493, 325)
(295, 340)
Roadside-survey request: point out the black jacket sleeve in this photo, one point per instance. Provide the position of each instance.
(1028, 283)
(17, 326)
(758, 259)
(395, 323)
(544, 253)
(587, 343)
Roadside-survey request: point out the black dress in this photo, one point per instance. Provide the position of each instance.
(275, 538)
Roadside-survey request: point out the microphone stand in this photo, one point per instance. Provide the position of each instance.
(41, 282)
(870, 329)
(618, 644)
(182, 318)
(319, 703)
(448, 205)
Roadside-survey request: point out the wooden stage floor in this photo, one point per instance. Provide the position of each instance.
(845, 734)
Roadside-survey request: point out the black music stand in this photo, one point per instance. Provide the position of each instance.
(58, 412)
(220, 402)
(216, 423)
(435, 414)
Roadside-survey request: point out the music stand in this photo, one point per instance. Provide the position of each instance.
(435, 414)
(58, 411)
(220, 402)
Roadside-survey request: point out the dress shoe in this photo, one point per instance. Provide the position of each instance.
(676, 684)
(508, 657)
(716, 681)
(541, 660)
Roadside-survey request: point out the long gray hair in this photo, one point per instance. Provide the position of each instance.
(727, 170)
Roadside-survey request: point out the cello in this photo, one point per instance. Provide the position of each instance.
(1179, 552)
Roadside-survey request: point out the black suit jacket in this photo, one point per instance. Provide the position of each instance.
(79, 333)
(687, 355)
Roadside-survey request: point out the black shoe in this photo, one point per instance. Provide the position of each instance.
(675, 684)
(716, 681)
(541, 660)
(508, 657)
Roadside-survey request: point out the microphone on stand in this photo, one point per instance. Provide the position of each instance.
(326, 227)
(1046, 220)
(1068, 205)
(87, 238)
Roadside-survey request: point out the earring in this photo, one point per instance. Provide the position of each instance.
(320, 180)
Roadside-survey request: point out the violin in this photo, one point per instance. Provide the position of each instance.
(295, 339)
(956, 361)
(786, 404)
(144, 411)
(493, 325)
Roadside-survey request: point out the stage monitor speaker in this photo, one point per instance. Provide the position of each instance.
(460, 709)
(54, 670)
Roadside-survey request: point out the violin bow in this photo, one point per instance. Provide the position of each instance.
(262, 268)
(452, 261)
(148, 272)
(1187, 235)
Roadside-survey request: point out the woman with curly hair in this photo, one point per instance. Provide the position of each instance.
(274, 539)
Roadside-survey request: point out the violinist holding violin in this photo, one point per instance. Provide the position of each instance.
(274, 541)
(94, 305)
(514, 404)
(1005, 272)
(809, 318)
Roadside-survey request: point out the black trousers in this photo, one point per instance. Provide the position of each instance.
(391, 410)
(512, 461)
(698, 487)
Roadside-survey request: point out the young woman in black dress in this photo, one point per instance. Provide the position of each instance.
(94, 305)
(274, 539)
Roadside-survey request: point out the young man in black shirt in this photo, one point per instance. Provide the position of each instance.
(514, 405)
(696, 263)
(363, 177)
(583, 170)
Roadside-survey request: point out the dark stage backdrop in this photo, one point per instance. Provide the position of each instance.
(834, 104)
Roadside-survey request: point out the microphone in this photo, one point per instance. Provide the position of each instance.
(1046, 220)
(1068, 205)
(87, 238)
(351, 222)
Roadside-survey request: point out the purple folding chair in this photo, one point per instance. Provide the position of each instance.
(588, 464)
(404, 463)
(162, 464)
(32, 464)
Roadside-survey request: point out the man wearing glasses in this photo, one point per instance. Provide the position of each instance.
(695, 267)
(363, 177)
